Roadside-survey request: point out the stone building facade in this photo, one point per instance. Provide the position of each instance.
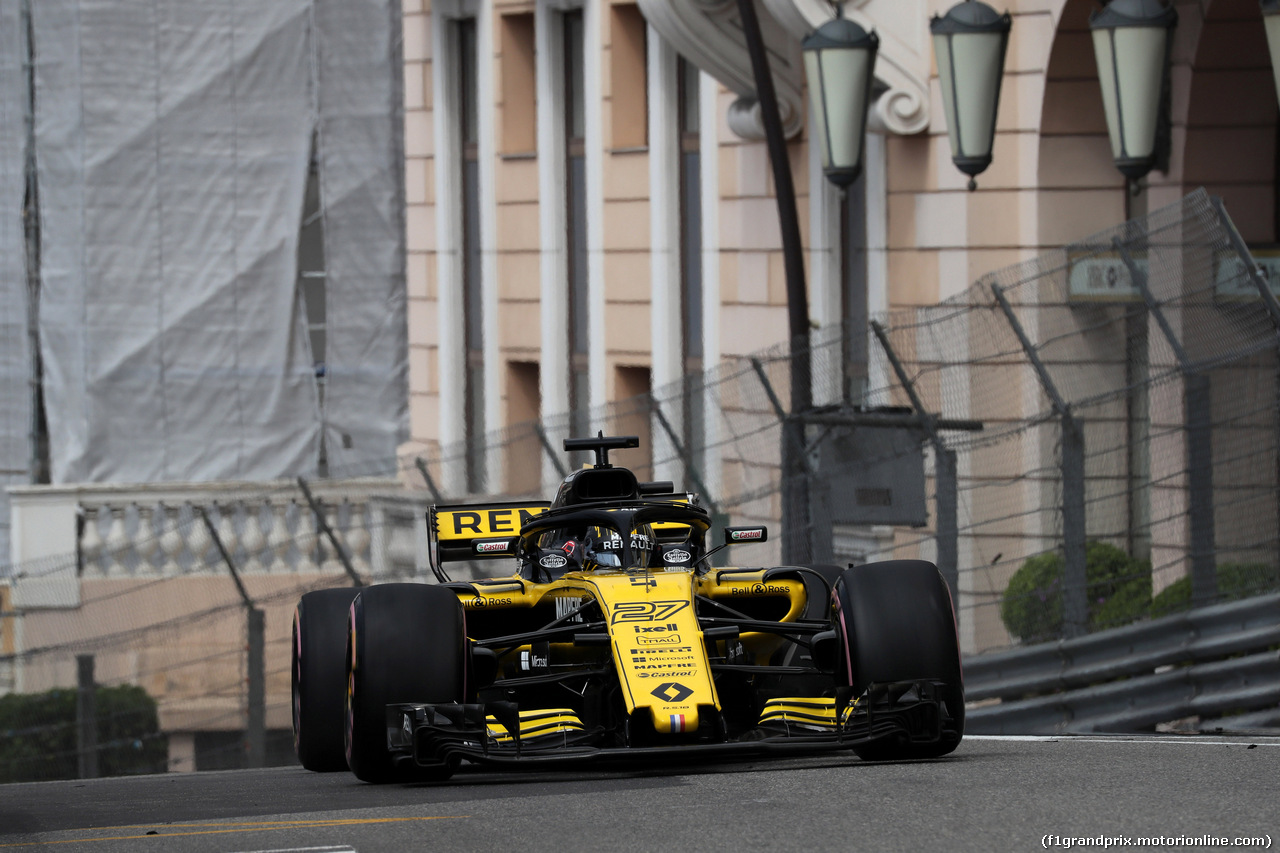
(590, 204)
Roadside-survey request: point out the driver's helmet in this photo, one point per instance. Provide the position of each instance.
(602, 548)
(560, 551)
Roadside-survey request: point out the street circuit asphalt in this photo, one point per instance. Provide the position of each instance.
(992, 794)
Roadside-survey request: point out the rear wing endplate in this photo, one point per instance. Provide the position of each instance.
(476, 531)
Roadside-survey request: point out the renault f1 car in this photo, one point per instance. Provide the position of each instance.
(615, 637)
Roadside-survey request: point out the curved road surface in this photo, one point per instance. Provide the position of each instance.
(993, 794)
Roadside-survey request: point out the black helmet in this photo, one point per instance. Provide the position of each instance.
(559, 552)
(605, 548)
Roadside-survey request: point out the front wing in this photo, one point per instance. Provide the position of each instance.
(498, 733)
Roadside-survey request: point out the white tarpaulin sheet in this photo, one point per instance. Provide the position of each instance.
(361, 118)
(15, 366)
(173, 141)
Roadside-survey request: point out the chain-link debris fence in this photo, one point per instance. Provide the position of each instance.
(1127, 461)
(1080, 441)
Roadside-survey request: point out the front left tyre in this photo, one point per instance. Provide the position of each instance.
(897, 624)
(405, 643)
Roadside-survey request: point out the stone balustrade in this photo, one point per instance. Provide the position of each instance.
(156, 530)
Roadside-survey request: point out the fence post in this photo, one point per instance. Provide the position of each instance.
(325, 529)
(1075, 602)
(796, 472)
(86, 718)
(550, 451)
(947, 532)
(256, 688)
(1273, 309)
(1204, 573)
(948, 529)
(684, 453)
(426, 478)
(256, 736)
(1251, 266)
(1198, 415)
(719, 520)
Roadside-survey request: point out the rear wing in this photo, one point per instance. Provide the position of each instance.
(476, 531)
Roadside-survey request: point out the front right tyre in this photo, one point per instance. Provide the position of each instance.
(405, 643)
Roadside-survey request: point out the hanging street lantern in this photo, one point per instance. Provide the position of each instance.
(969, 45)
(839, 58)
(1131, 40)
(1271, 19)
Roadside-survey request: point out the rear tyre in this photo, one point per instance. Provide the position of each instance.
(320, 678)
(405, 643)
(897, 624)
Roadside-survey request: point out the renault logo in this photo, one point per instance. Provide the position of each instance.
(672, 692)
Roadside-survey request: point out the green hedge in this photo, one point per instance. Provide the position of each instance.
(1118, 588)
(1235, 581)
(1119, 591)
(38, 735)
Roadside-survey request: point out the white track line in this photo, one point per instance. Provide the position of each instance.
(340, 849)
(1178, 740)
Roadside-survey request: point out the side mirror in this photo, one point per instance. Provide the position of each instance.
(734, 535)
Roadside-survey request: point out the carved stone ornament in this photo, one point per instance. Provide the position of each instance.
(709, 34)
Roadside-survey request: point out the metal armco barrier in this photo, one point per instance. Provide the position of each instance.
(1108, 681)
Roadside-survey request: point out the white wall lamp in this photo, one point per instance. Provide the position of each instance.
(1131, 40)
(969, 44)
(839, 61)
(1271, 19)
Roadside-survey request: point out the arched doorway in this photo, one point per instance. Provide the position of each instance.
(1225, 124)
(1221, 135)
(1080, 190)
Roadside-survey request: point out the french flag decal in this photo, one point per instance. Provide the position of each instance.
(677, 722)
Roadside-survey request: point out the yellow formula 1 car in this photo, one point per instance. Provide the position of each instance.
(615, 638)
